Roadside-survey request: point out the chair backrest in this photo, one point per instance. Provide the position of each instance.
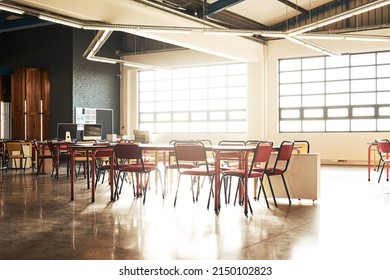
(383, 147)
(106, 151)
(261, 155)
(190, 152)
(14, 148)
(284, 155)
(128, 151)
(251, 142)
(225, 155)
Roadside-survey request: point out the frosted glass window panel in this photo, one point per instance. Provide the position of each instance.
(290, 102)
(313, 113)
(198, 127)
(337, 74)
(363, 98)
(290, 114)
(180, 127)
(238, 68)
(383, 57)
(337, 99)
(363, 72)
(180, 116)
(289, 89)
(180, 94)
(313, 63)
(201, 71)
(363, 59)
(234, 92)
(237, 80)
(198, 105)
(163, 95)
(236, 103)
(164, 85)
(180, 73)
(313, 88)
(163, 117)
(146, 76)
(290, 126)
(363, 112)
(199, 116)
(147, 126)
(218, 104)
(383, 71)
(146, 86)
(383, 84)
(290, 77)
(237, 115)
(163, 74)
(218, 126)
(180, 84)
(363, 125)
(236, 127)
(218, 70)
(180, 105)
(313, 100)
(337, 61)
(383, 97)
(337, 86)
(145, 107)
(217, 116)
(383, 124)
(164, 106)
(199, 93)
(363, 85)
(313, 75)
(338, 112)
(146, 96)
(218, 81)
(163, 127)
(146, 117)
(218, 93)
(314, 126)
(337, 125)
(384, 111)
(198, 83)
(290, 64)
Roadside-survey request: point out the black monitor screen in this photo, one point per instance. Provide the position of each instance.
(62, 128)
(92, 132)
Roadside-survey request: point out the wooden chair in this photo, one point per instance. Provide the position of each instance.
(15, 153)
(41, 157)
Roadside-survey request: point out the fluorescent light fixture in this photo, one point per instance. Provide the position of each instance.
(102, 59)
(348, 37)
(10, 9)
(60, 21)
(312, 46)
(339, 17)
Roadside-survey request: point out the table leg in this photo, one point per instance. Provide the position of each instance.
(72, 174)
(93, 166)
(217, 205)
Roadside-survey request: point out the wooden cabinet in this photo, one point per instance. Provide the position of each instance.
(30, 104)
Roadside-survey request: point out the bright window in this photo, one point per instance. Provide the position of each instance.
(201, 99)
(350, 93)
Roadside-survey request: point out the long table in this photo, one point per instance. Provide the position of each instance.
(302, 176)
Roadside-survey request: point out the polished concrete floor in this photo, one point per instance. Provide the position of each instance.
(39, 221)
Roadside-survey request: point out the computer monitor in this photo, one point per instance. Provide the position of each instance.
(63, 128)
(92, 132)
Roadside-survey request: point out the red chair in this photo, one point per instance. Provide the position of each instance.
(193, 152)
(256, 170)
(280, 167)
(383, 147)
(129, 159)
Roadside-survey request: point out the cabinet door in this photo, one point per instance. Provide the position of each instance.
(33, 103)
(18, 97)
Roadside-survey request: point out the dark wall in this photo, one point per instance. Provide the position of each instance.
(44, 47)
(74, 81)
(96, 84)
